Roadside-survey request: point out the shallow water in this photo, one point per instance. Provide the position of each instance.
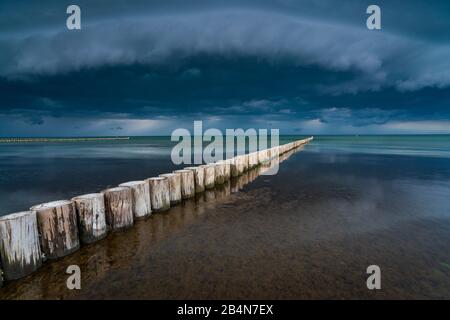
(33, 173)
(308, 232)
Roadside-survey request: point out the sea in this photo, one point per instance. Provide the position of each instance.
(336, 206)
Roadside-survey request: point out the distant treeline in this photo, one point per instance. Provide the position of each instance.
(15, 140)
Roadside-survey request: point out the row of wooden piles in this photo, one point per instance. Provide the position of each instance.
(55, 229)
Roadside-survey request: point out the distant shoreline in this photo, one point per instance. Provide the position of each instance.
(15, 140)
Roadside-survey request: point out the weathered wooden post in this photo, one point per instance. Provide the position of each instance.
(227, 173)
(234, 184)
(245, 162)
(159, 193)
(219, 173)
(262, 156)
(256, 160)
(237, 166)
(140, 190)
(275, 152)
(233, 167)
(210, 175)
(266, 155)
(253, 174)
(226, 169)
(187, 183)
(174, 187)
(259, 157)
(91, 214)
(243, 180)
(269, 154)
(57, 226)
(199, 177)
(252, 160)
(119, 208)
(20, 252)
(227, 186)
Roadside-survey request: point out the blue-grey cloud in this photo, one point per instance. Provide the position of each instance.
(297, 64)
(380, 59)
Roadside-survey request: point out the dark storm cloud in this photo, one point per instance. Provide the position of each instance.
(379, 58)
(279, 61)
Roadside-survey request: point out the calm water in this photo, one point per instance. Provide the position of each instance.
(32, 173)
(335, 207)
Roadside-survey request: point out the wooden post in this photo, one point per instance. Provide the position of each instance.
(57, 225)
(174, 187)
(250, 163)
(19, 245)
(199, 177)
(234, 184)
(219, 171)
(274, 152)
(262, 156)
(159, 193)
(234, 166)
(245, 162)
(256, 160)
(252, 160)
(259, 157)
(187, 183)
(227, 173)
(91, 214)
(283, 157)
(119, 208)
(140, 190)
(243, 180)
(210, 176)
(227, 186)
(253, 174)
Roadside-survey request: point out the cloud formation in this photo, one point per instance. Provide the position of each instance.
(379, 59)
(297, 65)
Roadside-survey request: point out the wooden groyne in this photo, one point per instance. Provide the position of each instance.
(56, 229)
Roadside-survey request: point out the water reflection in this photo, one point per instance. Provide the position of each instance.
(126, 253)
(308, 232)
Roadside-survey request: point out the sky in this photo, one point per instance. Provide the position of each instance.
(149, 67)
